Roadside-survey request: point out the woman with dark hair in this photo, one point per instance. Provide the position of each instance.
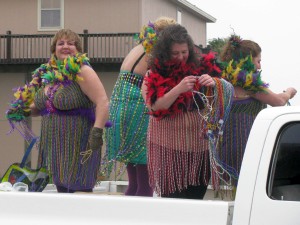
(187, 102)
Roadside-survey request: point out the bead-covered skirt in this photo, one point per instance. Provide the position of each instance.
(178, 154)
(236, 131)
(126, 139)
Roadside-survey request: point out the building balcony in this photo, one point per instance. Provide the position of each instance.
(35, 49)
(101, 48)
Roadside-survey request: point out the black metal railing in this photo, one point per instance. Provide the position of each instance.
(100, 47)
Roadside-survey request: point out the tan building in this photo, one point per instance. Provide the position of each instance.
(106, 27)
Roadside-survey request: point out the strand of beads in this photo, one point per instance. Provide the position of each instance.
(217, 112)
(50, 94)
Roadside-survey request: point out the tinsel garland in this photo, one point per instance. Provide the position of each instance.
(161, 80)
(243, 74)
(53, 72)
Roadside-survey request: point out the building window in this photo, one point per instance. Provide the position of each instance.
(179, 14)
(284, 176)
(50, 14)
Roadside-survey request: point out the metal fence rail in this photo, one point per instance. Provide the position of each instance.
(100, 47)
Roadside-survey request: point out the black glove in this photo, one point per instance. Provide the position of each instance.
(95, 143)
(95, 139)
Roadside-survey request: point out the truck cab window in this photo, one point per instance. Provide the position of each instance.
(284, 175)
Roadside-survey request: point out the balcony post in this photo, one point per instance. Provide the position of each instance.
(85, 41)
(8, 45)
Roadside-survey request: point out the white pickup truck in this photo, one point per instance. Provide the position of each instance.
(268, 191)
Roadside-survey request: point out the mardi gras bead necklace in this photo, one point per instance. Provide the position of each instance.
(214, 114)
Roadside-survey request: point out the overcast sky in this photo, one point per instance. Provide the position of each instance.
(274, 25)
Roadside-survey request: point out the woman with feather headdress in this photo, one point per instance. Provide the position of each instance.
(242, 68)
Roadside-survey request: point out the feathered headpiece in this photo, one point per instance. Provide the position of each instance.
(243, 74)
(235, 41)
(147, 37)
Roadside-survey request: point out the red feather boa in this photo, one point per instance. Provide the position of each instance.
(158, 85)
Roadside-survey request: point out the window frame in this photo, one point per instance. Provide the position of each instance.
(274, 162)
(40, 28)
(179, 16)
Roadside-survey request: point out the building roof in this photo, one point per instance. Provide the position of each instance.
(195, 10)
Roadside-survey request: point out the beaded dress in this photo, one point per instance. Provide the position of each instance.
(240, 73)
(64, 135)
(236, 131)
(126, 139)
(181, 139)
(67, 118)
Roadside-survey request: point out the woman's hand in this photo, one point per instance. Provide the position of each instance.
(95, 139)
(95, 144)
(291, 91)
(187, 84)
(206, 80)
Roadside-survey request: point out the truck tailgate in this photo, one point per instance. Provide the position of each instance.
(53, 208)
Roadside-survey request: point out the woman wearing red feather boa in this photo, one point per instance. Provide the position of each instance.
(178, 152)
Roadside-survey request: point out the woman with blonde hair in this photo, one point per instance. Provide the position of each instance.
(126, 139)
